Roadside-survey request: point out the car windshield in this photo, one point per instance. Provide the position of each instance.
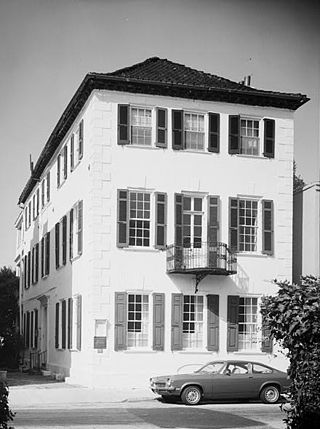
(211, 368)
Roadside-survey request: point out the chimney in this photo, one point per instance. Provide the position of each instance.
(31, 164)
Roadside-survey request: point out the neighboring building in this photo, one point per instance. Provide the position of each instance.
(157, 216)
(306, 231)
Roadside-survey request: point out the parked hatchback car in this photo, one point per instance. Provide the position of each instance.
(225, 379)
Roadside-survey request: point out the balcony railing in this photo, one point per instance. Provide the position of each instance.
(202, 257)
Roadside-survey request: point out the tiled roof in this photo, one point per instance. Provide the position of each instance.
(158, 76)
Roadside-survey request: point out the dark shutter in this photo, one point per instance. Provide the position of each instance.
(29, 268)
(81, 139)
(267, 227)
(177, 129)
(47, 264)
(234, 134)
(32, 331)
(28, 329)
(42, 257)
(71, 235)
(63, 324)
(233, 224)
(213, 322)
(178, 233)
(69, 330)
(48, 187)
(161, 220)
(36, 328)
(158, 321)
(214, 132)
(123, 124)
(162, 128)
(266, 343)
(213, 230)
(64, 240)
(32, 265)
(57, 327)
(37, 264)
(57, 244)
(269, 138)
(72, 153)
(79, 321)
(233, 325)
(65, 162)
(123, 227)
(80, 227)
(176, 321)
(58, 170)
(120, 325)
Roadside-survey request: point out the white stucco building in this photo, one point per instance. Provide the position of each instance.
(156, 217)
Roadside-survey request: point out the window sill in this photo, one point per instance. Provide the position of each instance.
(194, 352)
(243, 155)
(144, 351)
(253, 254)
(201, 152)
(75, 258)
(140, 249)
(148, 147)
(249, 353)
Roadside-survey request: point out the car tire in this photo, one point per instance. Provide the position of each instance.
(168, 399)
(270, 395)
(191, 395)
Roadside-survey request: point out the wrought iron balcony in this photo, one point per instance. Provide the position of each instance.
(202, 258)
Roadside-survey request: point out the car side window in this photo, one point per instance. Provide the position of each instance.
(212, 368)
(261, 369)
(235, 369)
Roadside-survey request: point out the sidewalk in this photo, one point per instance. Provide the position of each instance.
(37, 392)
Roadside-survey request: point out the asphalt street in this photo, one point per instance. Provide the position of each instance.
(152, 414)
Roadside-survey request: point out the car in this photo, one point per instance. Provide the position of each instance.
(224, 379)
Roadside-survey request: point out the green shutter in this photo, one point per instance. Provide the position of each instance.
(214, 132)
(213, 230)
(58, 170)
(178, 235)
(213, 322)
(177, 129)
(233, 224)
(47, 263)
(79, 321)
(120, 324)
(72, 153)
(37, 264)
(65, 162)
(234, 134)
(57, 327)
(266, 343)
(70, 317)
(233, 323)
(269, 138)
(42, 257)
(36, 328)
(267, 227)
(71, 234)
(123, 221)
(64, 240)
(80, 227)
(161, 221)
(48, 187)
(57, 244)
(158, 321)
(81, 139)
(63, 324)
(176, 321)
(123, 124)
(162, 128)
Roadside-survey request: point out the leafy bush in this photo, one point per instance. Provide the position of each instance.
(293, 317)
(5, 413)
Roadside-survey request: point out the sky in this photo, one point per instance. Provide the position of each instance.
(48, 46)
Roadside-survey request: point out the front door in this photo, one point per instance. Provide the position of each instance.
(237, 381)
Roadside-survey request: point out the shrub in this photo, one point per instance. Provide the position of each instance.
(293, 317)
(5, 413)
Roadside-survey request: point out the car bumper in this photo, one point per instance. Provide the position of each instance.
(168, 391)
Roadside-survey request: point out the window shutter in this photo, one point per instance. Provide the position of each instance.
(176, 321)
(162, 128)
(57, 327)
(71, 235)
(214, 132)
(123, 221)
(58, 170)
(267, 227)
(42, 195)
(37, 264)
(36, 328)
(47, 264)
(81, 131)
(31, 331)
(233, 224)
(42, 257)
(80, 227)
(266, 343)
(269, 137)
(158, 321)
(63, 324)
(32, 264)
(234, 134)
(233, 326)
(65, 162)
(213, 229)
(161, 220)
(123, 124)
(29, 268)
(79, 321)
(70, 310)
(213, 322)
(64, 240)
(48, 187)
(28, 329)
(72, 153)
(177, 129)
(57, 244)
(120, 333)
(178, 236)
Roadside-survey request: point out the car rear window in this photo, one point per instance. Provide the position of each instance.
(261, 369)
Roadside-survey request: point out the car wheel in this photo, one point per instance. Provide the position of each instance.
(168, 399)
(191, 395)
(270, 395)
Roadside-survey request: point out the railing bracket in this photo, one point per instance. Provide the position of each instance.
(199, 276)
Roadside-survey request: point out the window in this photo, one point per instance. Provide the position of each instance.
(45, 190)
(192, 221)
(138, 321)
(141, 126)
(29, 213)
(62, 166)
(75, 230)
(139, 223)
(248, 219)
(68, 323)
(248, 323)
(192, 322)
(45, 255)
(194, 131)
(35, 263)
(61, 242)
(260, 369)
(250, 143)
